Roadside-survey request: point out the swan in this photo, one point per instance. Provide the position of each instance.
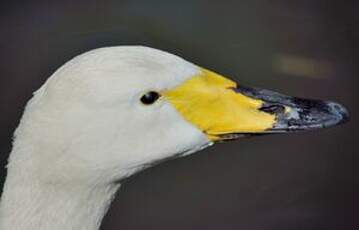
(112, 112)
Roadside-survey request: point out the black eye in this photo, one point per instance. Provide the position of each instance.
(150, 97)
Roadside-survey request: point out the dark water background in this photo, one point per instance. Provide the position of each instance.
(305, 48)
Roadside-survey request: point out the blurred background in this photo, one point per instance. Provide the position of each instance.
(306, 48)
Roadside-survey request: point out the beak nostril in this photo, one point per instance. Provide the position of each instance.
(272, 109)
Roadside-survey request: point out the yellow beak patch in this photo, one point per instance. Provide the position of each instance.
(209, 102)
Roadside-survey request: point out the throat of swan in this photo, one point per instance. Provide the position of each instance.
(54, 207)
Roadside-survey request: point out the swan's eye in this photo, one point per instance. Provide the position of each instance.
(150, 97)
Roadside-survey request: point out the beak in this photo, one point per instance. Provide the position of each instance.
(296, 114)
(224, 110)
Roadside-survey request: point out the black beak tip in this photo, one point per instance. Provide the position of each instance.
(304, 114)
(309, 115)
(339, 111)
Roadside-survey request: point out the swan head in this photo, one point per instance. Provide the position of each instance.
(111, 112)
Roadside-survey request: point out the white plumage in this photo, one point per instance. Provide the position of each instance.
(85, 129)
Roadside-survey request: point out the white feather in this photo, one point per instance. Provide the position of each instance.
(85, 129)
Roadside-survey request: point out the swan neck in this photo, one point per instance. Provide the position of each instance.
(53, 206)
